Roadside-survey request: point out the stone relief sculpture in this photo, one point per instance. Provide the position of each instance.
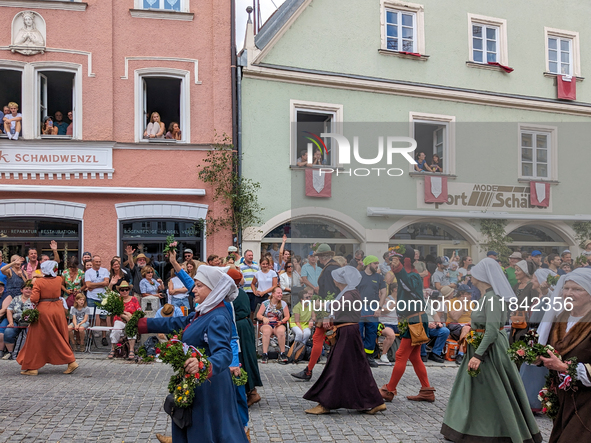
(28, 33)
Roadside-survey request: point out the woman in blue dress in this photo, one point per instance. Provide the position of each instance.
(214, 412)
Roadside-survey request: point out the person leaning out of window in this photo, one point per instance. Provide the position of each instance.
(174, 132)
(155, 128)
(48, 127)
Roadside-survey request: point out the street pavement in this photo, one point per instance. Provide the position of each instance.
(116, 401)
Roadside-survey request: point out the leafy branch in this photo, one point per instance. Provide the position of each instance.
(238, 195)
(583, 232)
(494, 231)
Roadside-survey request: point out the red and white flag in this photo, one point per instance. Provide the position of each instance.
(435, 189)
(566, 87)
(318, 183)
(540, 194)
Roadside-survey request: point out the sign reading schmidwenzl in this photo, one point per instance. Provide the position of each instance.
(482, 197)
(56, 159)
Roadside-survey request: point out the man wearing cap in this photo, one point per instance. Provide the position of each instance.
(514, 258)
(536, 258)
(310, 273)
(326, 287)
(187, 255)
(87, 256)
(233, 251)
(372, 288)
(440, 277)
(492, 254)
(249, 268)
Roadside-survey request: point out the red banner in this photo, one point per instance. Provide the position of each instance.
(435, 189)
(540, 194)
(318, 183)
(566, 87)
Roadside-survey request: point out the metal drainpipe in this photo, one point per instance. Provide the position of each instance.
(235, 94)
(239, 130)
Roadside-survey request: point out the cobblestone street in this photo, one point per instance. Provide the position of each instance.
(115, 401)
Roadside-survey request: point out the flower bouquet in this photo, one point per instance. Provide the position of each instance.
(111, 302)
(581, 261)
(314, 246)
(171, 244)
(402, 326)
(182, 385)
(131, 326)
(240, 381)
(552, 279)
(474, 338)
(520, 352)
(29, 316)
(397, 250)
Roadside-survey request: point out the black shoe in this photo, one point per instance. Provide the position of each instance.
(424, 358)
(372, 362)
(265, 359)
(303, 375)
(283, 358)
(436, 358)
(459, 359)
(105, 342)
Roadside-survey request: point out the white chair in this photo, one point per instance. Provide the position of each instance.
(90, 340)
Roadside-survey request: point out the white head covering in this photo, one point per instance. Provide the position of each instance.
(523, 266)
(489, 271)
(582, 277)
(347, 275)
(49, 267)
(542, 274)
(221, 284)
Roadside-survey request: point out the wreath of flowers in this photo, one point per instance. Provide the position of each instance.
(549, 398)
(568, 379)
(528, 351)
(397, 250)
(30, 316)
(182, 385)
(131, 328)
(242, 379)
(142, 356)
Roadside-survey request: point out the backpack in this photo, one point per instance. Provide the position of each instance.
(296, 352)
(150, 346)
(122, 348)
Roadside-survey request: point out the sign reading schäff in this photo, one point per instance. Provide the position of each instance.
(62, 159)
(482, 197)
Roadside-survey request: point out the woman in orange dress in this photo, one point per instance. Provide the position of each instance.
(47, 339)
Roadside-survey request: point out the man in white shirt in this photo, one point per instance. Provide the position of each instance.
(97, 279)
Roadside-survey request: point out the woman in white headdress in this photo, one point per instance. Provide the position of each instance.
(568, 329)
(215, 416)
(347, 381)
(47, 339)
(492, 406)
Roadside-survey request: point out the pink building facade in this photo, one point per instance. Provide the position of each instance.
(99, 183)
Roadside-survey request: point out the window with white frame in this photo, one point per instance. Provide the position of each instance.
(488, 40)
(162, 105)
(560, 55)
(536, 148)
(403, 27)
(435, 137)
(11, 85)
(166, 5)
(56, 91)
(309, 120)
(400, 31)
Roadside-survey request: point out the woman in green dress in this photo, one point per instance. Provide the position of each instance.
(493, 405)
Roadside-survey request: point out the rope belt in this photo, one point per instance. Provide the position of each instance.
(48, 299)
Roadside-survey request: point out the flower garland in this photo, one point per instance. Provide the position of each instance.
(30, 316)
(142, 356)
(240, 381)
(549, 398)
(568, 379)
(182, 385)
(131, 328)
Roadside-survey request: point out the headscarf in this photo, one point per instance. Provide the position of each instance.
(542, 274)
(49, 268)
(347, 275)
(523, 266)
(582, 277)
(489, 271)
(221, 284)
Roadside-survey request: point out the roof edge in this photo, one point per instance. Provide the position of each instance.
(276, 22)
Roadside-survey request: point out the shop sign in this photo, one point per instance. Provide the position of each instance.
(56, 160)
(34, 232)
(482, 197)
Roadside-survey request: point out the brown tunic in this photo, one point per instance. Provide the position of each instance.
(573, 422)
(47, 340)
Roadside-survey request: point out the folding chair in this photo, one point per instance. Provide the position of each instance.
(90, 340)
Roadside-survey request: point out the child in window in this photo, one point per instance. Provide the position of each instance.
(12, 121)
(79, 320)
(436, 164)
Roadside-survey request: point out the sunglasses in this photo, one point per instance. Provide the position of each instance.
(288, 267)
(123, 290)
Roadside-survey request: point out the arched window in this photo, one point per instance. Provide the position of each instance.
(530, 237)
(432, 239)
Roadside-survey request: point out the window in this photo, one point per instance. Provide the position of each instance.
(403, 27)
(485, 44)
(488, 40)
(434, 135)
(166, 94)
(56, 91)
(535, 161)
(166, 5)
(560, 56)
(562, 52)
(11, 85)
(309, 120)
(400, 31)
